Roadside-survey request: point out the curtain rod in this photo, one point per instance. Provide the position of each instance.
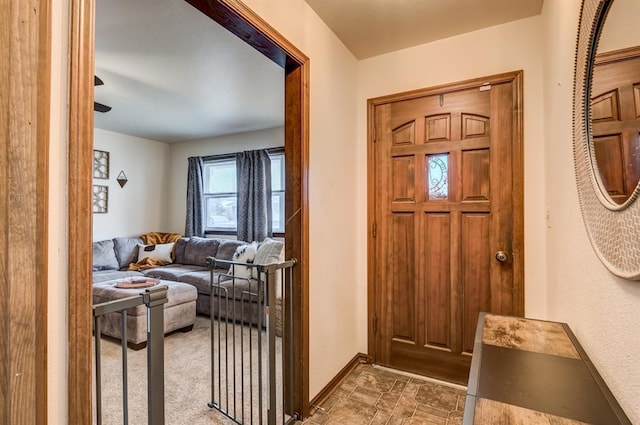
(221, 157)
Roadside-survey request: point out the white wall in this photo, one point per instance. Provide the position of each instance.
(178, 165)
(602, 310)
(509, 47)
(139, 206)
(336, 322)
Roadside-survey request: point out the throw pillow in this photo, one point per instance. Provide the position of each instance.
(160, 252)
(244, 254)
(198, 249)
(269, 251)
(126, 250)
(226, 249)
(104, 257)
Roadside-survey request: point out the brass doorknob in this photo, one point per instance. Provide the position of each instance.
(502, 256)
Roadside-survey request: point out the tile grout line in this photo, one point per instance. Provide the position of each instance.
(423, 378)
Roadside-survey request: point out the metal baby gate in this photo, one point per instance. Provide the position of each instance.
(251, 383)
(154, 300)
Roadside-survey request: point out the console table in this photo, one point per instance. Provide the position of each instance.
(526, 371)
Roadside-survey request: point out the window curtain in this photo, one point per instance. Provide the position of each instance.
(195, 206)
(254, 195)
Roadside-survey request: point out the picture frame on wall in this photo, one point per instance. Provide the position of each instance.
(100, 199)
(100, 164)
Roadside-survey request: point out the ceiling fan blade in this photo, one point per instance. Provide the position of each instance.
(99, 107)
(97, 81)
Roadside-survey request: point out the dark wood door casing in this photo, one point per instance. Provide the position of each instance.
(447, 242)
(240, 20)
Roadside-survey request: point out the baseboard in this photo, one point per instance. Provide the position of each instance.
(324, 393)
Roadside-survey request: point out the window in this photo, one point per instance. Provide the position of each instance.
(221, 194)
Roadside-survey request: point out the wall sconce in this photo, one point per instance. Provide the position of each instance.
(122, 179)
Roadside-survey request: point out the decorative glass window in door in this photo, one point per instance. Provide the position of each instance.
(438, 176)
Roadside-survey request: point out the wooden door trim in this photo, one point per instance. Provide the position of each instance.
(514, 78)
(25, 84)
(243, 22)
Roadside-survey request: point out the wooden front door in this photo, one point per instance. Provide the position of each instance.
(446, 219)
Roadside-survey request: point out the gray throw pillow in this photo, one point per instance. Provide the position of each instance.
(104, 257)
(198, 249)
(179, 248)
(126, 250)
(226, 250)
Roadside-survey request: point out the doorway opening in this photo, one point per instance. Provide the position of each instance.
(245, 24)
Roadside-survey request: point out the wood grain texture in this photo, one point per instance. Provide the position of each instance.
(473, 137)
(24, 130)
(42, 207)
(297, 221)
(491, 412)
(530, 335)
(80, 180)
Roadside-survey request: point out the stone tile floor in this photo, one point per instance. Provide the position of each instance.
(377, 396)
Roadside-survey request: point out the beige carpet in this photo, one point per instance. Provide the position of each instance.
(187, 379)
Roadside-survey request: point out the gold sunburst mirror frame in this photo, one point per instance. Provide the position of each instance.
(613, 229)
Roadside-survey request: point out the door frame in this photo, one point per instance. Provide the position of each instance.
(240, 20)
(25, 102)
(516, 78)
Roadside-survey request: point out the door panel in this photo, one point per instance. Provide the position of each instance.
(615, 112)
(403, 312)
(444, 202)
(403, 178)
(476, 272)
(437, 254)
(475, 167)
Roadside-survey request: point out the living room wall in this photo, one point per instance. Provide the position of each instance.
(174, 220)
(140, 205)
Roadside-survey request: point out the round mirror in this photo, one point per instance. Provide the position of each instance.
(615, 102)
(605, 132)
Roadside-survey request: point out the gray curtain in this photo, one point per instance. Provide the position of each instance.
(195, 206)
(254, 195)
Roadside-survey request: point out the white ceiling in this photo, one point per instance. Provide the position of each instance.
(172, 74)
(373, 27)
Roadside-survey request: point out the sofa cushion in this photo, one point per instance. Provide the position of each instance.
(178, 250)
(172, 272)
(126, 250)
(104, 257)
(226, 250)
(178, 293)
(105, 275)
(198, 249)
(239, 289)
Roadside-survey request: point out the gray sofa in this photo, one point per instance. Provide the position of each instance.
(111, 259)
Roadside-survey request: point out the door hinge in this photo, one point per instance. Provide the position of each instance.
(375, 325)
(374, 230)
